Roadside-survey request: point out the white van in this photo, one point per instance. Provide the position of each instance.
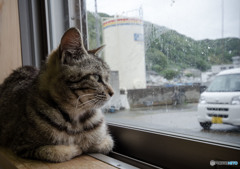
(220, 103)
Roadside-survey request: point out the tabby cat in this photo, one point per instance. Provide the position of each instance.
(53, 113)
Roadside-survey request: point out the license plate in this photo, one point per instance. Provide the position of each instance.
(217, 120)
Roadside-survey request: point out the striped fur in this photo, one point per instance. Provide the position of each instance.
(53, 113)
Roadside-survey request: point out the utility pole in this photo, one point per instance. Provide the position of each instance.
(223, 45)
(239, 23)
(222, 18)
(97, 26)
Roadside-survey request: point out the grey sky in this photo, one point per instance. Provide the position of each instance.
(199, 19)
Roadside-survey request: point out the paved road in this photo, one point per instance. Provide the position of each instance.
(181, 120)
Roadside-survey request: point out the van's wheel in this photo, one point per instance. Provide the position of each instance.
(205, 125)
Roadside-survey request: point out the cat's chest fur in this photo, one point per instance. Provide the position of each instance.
(59, 127)
(89, 126)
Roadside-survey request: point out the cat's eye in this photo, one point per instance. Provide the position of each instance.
(97, 77)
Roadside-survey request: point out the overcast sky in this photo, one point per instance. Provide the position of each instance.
(199, 19)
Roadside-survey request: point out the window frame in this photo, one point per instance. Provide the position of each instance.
(156, 148)
(61, 15)
(137, 146)
(32, 32)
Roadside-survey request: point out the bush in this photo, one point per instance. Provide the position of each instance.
(170, 74)
(189, 75)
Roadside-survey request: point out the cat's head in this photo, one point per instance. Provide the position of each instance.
(75, 76)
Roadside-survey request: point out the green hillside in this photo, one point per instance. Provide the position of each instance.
(167, 50)
(180, 51)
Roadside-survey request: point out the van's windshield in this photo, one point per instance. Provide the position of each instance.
(225, 83)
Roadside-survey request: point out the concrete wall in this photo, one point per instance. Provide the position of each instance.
(114, 82)
(161, 95)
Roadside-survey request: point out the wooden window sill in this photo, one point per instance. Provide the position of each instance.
(8, 160)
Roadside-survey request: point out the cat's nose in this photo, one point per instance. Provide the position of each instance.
(111, 93)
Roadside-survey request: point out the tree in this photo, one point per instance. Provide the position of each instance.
(156, 60)
(202, 65)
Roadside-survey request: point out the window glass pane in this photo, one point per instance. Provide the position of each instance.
(225, 83)
(163, 55)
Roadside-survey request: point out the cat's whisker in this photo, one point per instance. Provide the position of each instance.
(81, 96)
(95, 104)
(101, 96)
(87, 102)
(98, 103)
(84, 103)
(81, 105)
(95, 101)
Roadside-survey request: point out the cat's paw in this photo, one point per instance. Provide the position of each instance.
(57, 153)
(105, 146)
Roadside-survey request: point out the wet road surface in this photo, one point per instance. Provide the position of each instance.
(179, 120)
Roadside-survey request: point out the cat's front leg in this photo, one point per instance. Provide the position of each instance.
(57, 153)
(105, 146)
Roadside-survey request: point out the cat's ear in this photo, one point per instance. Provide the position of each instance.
(96, 51)
(71, 46)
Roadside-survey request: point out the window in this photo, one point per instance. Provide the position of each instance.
(163, 53)
(160, 51)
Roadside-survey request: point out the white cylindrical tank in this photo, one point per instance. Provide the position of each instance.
(124, 51)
